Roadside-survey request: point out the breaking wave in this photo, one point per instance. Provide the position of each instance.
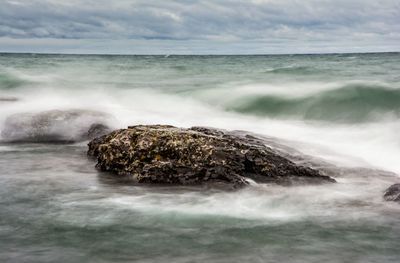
(351, 103)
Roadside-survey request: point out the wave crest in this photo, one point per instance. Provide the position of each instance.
(350, 103)
(9, 81)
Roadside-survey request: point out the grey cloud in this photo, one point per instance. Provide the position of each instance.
(230, 21)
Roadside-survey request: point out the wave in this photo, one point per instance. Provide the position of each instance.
(295, 70)
(179, 68)
(354, 106)
(350, 103)
(9, 81)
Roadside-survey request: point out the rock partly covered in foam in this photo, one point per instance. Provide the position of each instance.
(55, 126)
(169, 155)
(8, 99)
(392, 193)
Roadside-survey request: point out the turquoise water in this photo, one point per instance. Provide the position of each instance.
(339, 113)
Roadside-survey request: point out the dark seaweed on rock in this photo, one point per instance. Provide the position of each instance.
(168, 155)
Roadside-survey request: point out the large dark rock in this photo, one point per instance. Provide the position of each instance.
(392, 193)
(169, 155)
(55, 126)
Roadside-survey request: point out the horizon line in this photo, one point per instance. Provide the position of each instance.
(188, 54)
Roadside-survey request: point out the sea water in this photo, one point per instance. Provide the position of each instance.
(339, 113)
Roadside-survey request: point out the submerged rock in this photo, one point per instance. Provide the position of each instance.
(392, 193)
(168, 155)
(8, 99)
(55, 126)
(97, 130)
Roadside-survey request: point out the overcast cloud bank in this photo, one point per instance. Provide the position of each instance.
(199, 27)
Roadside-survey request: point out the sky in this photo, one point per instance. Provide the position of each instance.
(199, 27)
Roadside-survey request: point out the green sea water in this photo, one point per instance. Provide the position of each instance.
(338, 113)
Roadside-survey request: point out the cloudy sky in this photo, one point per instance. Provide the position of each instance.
(199, 26)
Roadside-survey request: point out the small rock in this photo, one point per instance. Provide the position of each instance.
(8, 99)
(59, 126)
(392, 193)
(97, 130)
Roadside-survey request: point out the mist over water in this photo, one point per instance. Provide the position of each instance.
(339, 113)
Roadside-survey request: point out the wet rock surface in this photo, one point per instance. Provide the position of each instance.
(392, 193)
(55, 126)
(160, 154)
(8, 99)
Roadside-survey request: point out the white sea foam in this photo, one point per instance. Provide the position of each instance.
(350, 199)
(366, 144)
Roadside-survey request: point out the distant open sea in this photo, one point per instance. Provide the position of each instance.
(339, 113)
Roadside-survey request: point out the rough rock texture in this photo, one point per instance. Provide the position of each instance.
(55, 126)
(392, 193)
(169, 155)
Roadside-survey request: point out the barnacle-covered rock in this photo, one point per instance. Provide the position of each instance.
(168, 155)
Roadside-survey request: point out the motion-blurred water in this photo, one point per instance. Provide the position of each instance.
(340, 113)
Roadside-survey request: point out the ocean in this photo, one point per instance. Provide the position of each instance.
(339, 113)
